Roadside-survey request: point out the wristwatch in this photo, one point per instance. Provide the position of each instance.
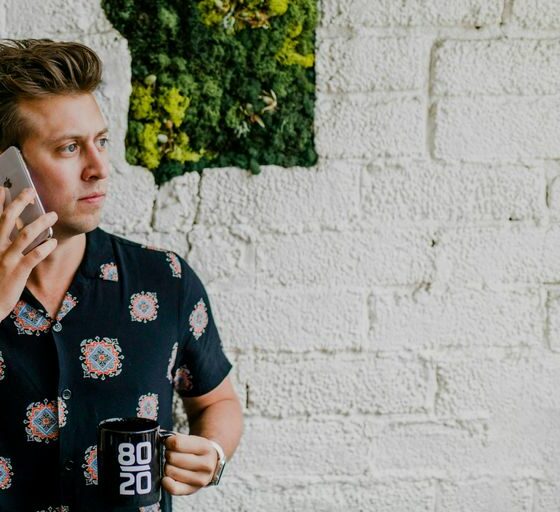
(221, 464)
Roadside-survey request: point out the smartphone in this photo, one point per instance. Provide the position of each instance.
(15, 176)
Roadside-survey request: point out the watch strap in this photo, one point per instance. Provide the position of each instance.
(221, 463)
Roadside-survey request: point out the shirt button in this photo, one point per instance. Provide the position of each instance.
(66, 394)
(57, 327)
(69, 464)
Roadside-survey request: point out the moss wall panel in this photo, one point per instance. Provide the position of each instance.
(219, 83)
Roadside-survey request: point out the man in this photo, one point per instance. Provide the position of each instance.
(93, 326)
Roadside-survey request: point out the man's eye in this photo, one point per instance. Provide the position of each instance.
(106, 139)
(70, 146)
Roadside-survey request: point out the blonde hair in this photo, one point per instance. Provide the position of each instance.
(35, 68)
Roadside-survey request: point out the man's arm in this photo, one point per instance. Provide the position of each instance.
(217, 415)
(192, 459)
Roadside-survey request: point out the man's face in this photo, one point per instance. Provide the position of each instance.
(67, 156)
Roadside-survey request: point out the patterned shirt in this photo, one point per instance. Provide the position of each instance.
(134, 326)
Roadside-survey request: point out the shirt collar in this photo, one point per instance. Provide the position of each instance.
(99, 250)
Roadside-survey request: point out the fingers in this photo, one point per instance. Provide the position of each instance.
(11, 212)
(190, 464)
(189, 471)
(188, 444)
(177, 488)
(191, 461)
(31, 232)
(187, 477)
(5, 198)
(40, 252)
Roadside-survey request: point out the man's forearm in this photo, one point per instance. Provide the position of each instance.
(222, 422)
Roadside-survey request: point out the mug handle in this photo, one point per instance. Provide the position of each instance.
(163, 435)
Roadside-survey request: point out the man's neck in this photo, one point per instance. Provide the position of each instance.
(58, 268)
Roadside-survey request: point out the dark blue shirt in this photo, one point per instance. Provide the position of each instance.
(135, 325)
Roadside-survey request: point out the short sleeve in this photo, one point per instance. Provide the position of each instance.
(201, 363)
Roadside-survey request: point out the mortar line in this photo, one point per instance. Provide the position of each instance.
(196, 215)
(430, 103)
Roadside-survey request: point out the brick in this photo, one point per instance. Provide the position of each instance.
(336, 384)
(288, 493)
(485, 493)
(224, 256)
(515, 395)
(513, 254)
(380, 13)
(176, 204)
(367, 126)
(453, 448)
(553, 319)
(504, 66)
(507, 129)
(3, 12)
(546, 495)
(281, 200)
(457, 318)
(536, 13)
(302, 447)
(384, 64)
(128, 209)
(55, 17)
(430, 446)
(463, 193)
(551, 261)
(478, 386)
(507, 386)
(383, 256)
(114, 91)
(391, 495)
(291, 320)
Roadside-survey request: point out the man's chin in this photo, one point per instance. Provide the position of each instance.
(71, 229)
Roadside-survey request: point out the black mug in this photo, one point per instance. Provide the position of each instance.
(130, 456)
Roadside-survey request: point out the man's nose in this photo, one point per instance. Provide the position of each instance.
(97, 162)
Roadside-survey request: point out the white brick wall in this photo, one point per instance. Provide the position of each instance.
(537, 13)
(370, 125)
(497, 67)
(503, 128)
(382, 13)
(393, 313)
(385, 63)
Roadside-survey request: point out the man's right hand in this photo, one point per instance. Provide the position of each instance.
(15, 267)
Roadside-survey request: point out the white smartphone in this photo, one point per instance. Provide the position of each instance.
(15, 176)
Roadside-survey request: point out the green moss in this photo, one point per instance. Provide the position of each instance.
(219, 83)
(288, 55)
(234, 15)
(168, 19)
(141, 102)
(182, 152)
(174, 103)
(278, 7)
(147, 139)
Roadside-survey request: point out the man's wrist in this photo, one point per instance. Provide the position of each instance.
(219, 465)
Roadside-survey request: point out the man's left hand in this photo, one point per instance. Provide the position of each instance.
(190, 464)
